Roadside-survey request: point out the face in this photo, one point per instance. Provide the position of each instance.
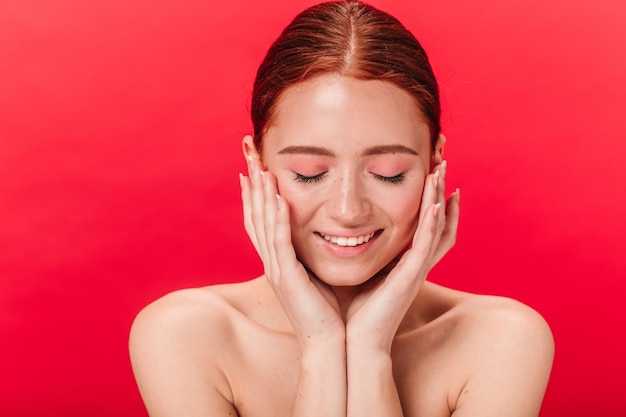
(350, 158)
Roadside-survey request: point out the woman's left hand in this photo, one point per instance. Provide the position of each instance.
(375, 314)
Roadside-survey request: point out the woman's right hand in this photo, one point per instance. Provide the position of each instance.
(310, 305)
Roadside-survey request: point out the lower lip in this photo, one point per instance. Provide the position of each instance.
(347, 251)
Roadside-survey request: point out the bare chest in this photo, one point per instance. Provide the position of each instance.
(264, 371)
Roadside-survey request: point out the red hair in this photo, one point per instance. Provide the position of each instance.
(348, 38)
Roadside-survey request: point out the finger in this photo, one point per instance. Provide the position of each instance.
(448, 237)
(423, 240)
(429, 194)
(258, 206)
(269, 223)
(427, 232)
(269, 200)
(285, 254)
(292, 280)
(411, 270)
(441, 199)
(246, 199)
(441, 185)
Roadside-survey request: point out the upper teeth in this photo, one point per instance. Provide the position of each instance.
(348, 241)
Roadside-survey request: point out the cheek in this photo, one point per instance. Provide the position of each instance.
(404, 206)
(300, 202)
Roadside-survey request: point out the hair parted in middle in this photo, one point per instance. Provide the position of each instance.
(347, 38)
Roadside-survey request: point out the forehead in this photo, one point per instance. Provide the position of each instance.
(335, 111)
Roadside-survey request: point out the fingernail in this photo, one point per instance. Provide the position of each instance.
(458, 194)
(436, 179)
(241, 179)
(263, 177)
(279, 201)
(444, 165)
(436, 210)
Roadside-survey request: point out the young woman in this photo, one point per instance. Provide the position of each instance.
(345, 204)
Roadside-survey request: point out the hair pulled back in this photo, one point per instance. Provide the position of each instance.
(348, 38)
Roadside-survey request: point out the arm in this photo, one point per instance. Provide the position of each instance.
(321, 390)
(372, 389)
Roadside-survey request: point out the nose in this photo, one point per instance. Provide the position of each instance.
(348, 202)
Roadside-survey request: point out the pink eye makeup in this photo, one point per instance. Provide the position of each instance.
(390, 170)
(306, 170)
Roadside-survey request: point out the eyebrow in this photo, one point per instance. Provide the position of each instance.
(379, 150)
(308, 150)
(374, 150)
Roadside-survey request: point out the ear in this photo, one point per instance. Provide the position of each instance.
(437, 157)
(249, 149)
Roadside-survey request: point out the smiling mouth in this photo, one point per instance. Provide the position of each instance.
(348, 241)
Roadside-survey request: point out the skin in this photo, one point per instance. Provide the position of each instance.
(333, 330)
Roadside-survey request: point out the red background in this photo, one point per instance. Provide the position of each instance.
(120, 129)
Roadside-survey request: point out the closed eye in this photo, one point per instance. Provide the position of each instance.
(396, 179)
(310, 179)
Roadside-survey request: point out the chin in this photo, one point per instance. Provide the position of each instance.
(344, 275)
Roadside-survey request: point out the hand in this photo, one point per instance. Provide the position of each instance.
(375, 314)
(310, 305)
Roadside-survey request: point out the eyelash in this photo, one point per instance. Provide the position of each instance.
(310, 180)
(396, 179)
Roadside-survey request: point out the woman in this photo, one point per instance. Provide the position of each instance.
(345, 204)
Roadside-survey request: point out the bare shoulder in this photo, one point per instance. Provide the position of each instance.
(202, 318)
(504, 316)
(178, 346)
(507, 350)
(481, 315)
(507, 325)
(187, 314)
(195, 312)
